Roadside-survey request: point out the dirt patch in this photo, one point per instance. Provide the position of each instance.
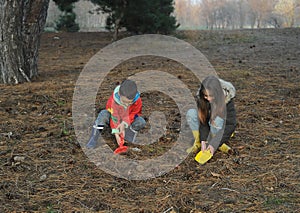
(44, 169)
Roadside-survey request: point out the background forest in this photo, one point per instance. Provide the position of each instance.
(201, 14)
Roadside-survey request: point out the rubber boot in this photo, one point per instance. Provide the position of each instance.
(225, 148)
(197, 145)
(94, 137)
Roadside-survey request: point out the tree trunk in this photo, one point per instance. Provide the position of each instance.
(21, 24)
(116, 29)
(241, 14)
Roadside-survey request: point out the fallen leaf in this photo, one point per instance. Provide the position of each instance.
(216, 174)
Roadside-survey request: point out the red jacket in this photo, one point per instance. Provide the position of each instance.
(120, 113)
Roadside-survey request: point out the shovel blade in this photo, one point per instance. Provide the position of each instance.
(203, 156)
(121, 149)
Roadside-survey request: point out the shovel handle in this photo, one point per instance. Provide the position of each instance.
(121, 140)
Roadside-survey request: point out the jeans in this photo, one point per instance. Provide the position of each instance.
(192, 119)
(104, 116)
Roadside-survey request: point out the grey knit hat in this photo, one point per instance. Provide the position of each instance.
(128, 89)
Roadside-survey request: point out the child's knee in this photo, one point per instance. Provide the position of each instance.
(192, 113)
(138, 123)
(192, 119)
(103, 117)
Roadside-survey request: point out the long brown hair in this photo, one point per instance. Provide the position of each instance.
(217, 106)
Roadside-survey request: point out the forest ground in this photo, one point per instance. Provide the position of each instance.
(44, 168)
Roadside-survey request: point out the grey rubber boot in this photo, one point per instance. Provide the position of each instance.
(94, 136)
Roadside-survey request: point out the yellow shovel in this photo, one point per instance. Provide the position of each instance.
(203, 156)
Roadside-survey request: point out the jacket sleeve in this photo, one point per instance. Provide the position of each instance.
(114, 118)
(230, 122)
(134, 111)
(204, 131)
(228, 128)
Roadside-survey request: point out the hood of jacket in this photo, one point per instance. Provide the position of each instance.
(228, 89)
(117, 97)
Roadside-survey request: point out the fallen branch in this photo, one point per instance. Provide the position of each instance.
(232, 190)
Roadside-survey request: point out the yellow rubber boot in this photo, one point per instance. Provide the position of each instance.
(225, 148)
(197, 144)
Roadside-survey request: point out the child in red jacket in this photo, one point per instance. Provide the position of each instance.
(123, 111)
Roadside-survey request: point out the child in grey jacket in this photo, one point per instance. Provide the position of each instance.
(214, 120)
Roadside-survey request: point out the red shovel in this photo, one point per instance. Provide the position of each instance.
(121, 148)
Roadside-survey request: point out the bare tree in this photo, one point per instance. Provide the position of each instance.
(260, 9)
(227, 14)
(21, 24)
(287, 8)
(208, 10)
(241, 12)
(187, 13)
(181, 12)
(238, 13)
(219, 13)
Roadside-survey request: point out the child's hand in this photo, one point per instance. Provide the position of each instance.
(118, 138)
(203, 145)
(211, 149)
(121, 128)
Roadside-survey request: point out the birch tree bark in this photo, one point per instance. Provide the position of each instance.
(21, 24)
